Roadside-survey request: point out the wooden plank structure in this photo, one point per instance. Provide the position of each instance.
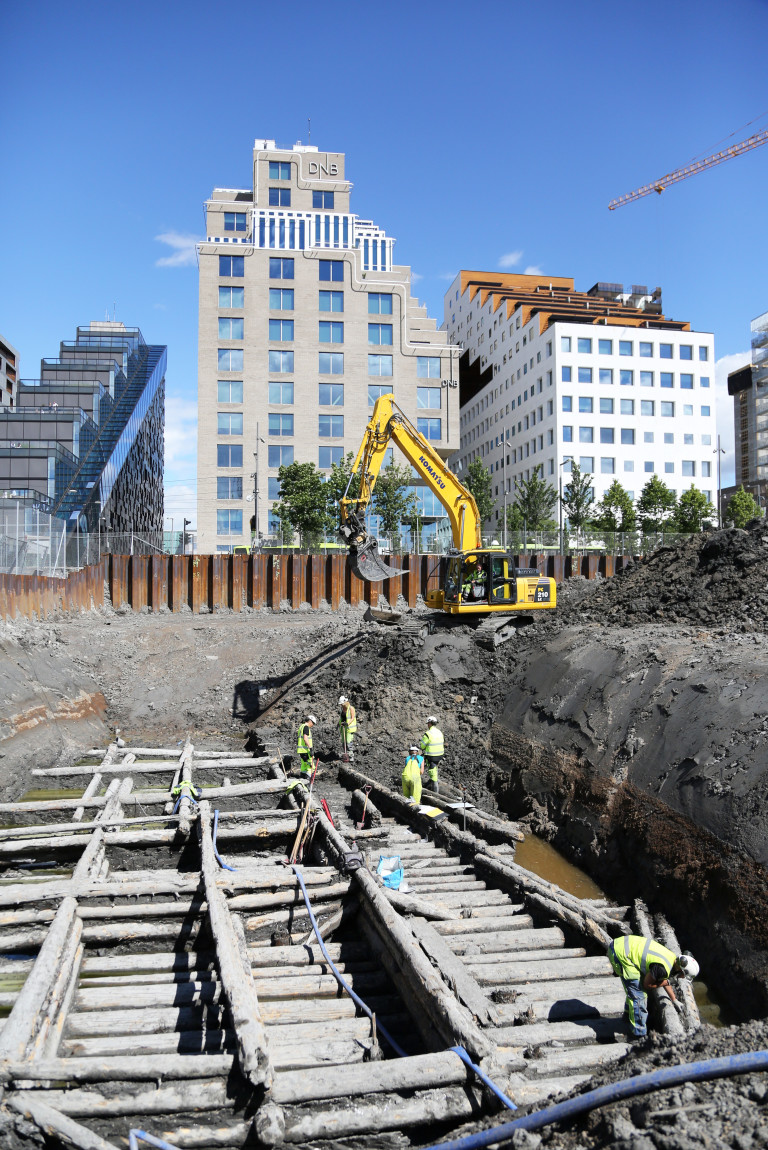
(151, 982)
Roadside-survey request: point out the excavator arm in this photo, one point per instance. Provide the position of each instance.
(388, 424)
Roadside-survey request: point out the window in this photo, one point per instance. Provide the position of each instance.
(606, 408)
(585, 374)
(669, 469)
(688, 409)
(703, 381)
(686, 351)
(607, 466)
(607, 435)
(234, 221)
(667, 379)
(648, 465)
(279, 170)
(686, 381)
(703, 354)
(332, 270)
(281, 362)
(280, 268)
(231, 297)
(331, 395)
(428, 366)
(331, 363)
(665, 350)
(565, 374)
(229, 423)
(330, 426)
(281, 299)
(428, 398)
(584, 346)
(689, 467)
(229, 487)
(229, 522)
(669, 437)
(565, 343)
(646, 379)
(627, 406)
(627, 378)
(667, 409)
(429, 428)
(280, 424)
(688, 439)
(605, 346)
(322, 200)
(567, 433)
(280, 329)
(379, 364)
(585, 403)
(704, 410)
(331, 301)
(327, 456)
(379, 303)
(706, 440)
(645, 350)
(587, 464)
(230, 359)
(706, 470)
(229, 455)
(279, 197)
(567, 463)
(625, 347)
(629, 465)
(628, 435)
(647, 437)
(567, 403)
(380, 334)
(586, 435)
(230, 391)
(647, 407)
(281, 393)
(606, 375)
(273, 487)
(375, 391)
(231, 265)
(279, 456)
(331, 331)
(549, 349)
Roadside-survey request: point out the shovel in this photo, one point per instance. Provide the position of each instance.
(361, 825)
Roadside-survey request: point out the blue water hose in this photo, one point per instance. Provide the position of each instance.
(614, 1092)
(219, 859)
(135, 1135)
(483, 1077)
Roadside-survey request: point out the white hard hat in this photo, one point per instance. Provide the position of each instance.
(311, 719)
(432, 719)
(413, 747)
(343, 699)
(689, 965)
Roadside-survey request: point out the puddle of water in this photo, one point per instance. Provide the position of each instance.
(48, 795)
(538, 856)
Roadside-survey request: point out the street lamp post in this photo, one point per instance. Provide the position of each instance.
(255, 478)
(185, 525)
(561, 466)
(718, 452)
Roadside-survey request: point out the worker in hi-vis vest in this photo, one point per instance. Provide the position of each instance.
(643, 964)
(433, 750)
(347, 728)
(304, 746)
(412, 772)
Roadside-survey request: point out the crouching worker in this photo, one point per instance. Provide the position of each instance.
(643, 964)
(412, 772)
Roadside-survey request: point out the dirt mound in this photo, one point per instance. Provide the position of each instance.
(718, 579)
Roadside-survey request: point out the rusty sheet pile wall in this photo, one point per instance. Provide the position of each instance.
(234, 582)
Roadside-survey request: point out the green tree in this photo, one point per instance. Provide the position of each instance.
(302, 505)
(477, 479)
(656, 506)
(615, 511)
(533, 504)
(578, 500)
(336, 482)
(693, 511)
(392, 501)
(741, 508)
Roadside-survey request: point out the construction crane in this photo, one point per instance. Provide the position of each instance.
(692, 169)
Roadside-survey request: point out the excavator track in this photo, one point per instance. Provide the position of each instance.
(498, 629)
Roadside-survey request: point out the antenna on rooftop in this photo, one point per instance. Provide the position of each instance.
(309, 130)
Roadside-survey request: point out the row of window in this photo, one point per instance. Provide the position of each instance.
(328, 426)
(281, 268)
(627, 406)
(645, 349)
(626, 436)
(627, 377)
(329, 331)
(282, 299)
(329, 363)
(332, 395)
(281, 198)
(608, 466)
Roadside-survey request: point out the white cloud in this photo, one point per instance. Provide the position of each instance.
(449, 277)
(724, 412)
(415, 277)
(184, 250)
(510, 260)
(533, 270)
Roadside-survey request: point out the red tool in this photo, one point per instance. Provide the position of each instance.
(326, 808)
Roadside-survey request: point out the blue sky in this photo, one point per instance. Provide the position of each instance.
(481, 136)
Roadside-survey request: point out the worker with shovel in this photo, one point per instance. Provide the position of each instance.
(304, 746)
(347, 728)
(433, 750)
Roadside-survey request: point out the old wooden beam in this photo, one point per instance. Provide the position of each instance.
(55, 1124)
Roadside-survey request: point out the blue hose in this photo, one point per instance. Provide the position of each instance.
(627, 1088)
(219, 859)
(483, 1077)
(135, 1135)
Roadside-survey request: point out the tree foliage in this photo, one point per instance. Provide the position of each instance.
(615, 511)
(656, 506)
(477, 479)
(533, 504)
(335, 487)
(392, 501)
(742, 507)
(693, 511)
(302, 505)
(578, 500)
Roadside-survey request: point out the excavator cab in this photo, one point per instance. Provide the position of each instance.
(480, 578)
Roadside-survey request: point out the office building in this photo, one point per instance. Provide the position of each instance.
(304, 320)
(85, 440)
(749, 388)
(9, 373)
(549, 375)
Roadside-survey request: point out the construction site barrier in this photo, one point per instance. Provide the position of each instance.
(207, 583)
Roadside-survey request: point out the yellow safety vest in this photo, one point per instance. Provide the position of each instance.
(432, 743)
(305, 739)
(635, 954)
(348, 719)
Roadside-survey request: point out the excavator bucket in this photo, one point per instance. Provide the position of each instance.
(368, 564)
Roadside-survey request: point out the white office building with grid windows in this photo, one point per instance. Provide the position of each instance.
(550, 375)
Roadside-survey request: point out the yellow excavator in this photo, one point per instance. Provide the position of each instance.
(482, 584)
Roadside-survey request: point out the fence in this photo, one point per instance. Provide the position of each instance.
(201, 583)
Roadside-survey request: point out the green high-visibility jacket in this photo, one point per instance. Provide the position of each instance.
(305, 739)
(432, 743)
(348, 720)
(635, 954)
